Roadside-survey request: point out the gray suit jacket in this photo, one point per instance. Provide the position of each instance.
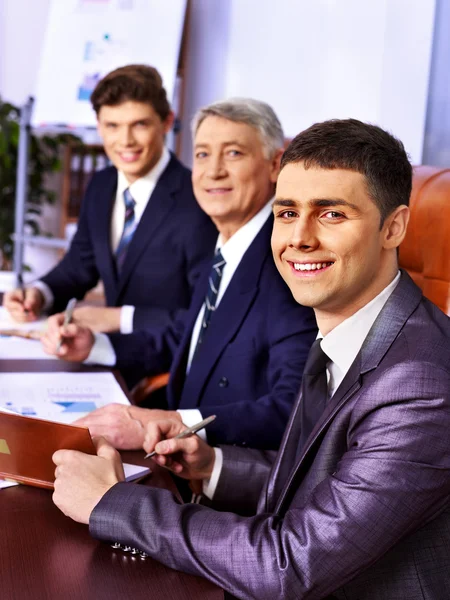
(363, 513)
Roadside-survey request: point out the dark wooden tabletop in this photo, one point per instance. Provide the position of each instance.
(47, 556)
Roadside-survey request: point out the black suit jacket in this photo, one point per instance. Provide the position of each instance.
(173, 236)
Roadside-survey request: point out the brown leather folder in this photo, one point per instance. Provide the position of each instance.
(27, 445)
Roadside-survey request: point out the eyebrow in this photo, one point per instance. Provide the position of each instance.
(231, 143)
(316, 203)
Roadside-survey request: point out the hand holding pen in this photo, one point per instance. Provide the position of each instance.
(184, 453)
(23, 304)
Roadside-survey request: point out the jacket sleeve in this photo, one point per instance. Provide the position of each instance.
(393, 477)
(77, 272)
(198, 245)
(149, 351)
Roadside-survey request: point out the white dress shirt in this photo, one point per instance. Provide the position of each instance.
(232, 251)
(140, 190)
(341, 345)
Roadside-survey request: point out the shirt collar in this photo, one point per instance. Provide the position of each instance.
(142, 188)
(344, 342)
(234, 249)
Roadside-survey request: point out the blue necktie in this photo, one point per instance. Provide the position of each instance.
(211, 296)
(128, 230)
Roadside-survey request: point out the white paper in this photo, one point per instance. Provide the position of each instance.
(23, 349)
(60, 397)
(6, 322)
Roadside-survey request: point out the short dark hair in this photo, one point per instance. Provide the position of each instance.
(138, 83)
(356, 146)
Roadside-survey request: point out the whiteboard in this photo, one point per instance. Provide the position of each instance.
(85, 39)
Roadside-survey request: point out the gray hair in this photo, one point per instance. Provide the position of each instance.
(252, 112)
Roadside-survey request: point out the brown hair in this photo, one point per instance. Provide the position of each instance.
(138, 83)
(361, 147)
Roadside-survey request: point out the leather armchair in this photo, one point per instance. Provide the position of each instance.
(425, 251)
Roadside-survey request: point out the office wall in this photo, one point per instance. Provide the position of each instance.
(22, 30)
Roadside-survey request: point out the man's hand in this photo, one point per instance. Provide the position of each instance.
(190, 458)
(82, 479)
(76, 344)
(98, 318)
(24, 306)
(123, 426)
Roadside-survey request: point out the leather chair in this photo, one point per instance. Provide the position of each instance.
(425, 251)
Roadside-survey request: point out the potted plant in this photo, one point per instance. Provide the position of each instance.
(44, 159)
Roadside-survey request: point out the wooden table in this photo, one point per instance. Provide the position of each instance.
(47, 556)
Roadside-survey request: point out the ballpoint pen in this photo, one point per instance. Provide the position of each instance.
(188, 432)
(67, 319)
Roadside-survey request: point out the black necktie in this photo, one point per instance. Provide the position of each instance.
(314, 391)
(211, 295)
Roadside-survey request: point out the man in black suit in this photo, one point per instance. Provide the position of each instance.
(140, 231)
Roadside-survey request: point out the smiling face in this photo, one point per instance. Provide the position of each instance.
(231, 176)
(327, 241)
(133, 136)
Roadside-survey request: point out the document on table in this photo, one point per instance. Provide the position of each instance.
(20, 348)
(61, 397)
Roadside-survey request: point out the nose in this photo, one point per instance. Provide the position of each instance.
(216, 167)
(304, 235)
(126, 137)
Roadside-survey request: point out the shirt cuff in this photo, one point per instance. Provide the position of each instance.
(210, 485)
(102, 352)
(126, 319)
(192, 416)
(47, 294)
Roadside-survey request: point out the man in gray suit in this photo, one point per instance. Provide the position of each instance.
(356, 504)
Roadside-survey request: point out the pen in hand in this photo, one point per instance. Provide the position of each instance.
(68, 313)
(188, 432)
(21, 287)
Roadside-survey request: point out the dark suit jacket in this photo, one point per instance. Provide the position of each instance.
(363, 513)
(172, 237)
(249, 366)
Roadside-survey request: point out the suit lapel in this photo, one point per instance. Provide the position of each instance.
(102, 231)
(160, 204)
(228, 317)
(392, 318)
(179, 364)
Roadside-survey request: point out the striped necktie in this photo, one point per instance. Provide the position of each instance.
(211, 295)
(128, 229)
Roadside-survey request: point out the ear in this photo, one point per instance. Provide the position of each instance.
(275, 165)
(395, 226)
(168, 123)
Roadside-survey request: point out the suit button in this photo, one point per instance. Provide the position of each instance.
(223, 382)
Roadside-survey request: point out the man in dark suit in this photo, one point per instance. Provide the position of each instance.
(356, 504)
(227, 355)
(140, 230)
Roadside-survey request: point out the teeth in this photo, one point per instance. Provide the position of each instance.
(310, 266)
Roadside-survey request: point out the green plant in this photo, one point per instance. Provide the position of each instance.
(43, 159)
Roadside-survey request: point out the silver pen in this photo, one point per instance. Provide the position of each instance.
(68, 313)
(188, 432)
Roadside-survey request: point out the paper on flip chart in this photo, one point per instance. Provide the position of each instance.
(61, 397)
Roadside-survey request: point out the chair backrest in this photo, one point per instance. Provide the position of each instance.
(425, 251)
